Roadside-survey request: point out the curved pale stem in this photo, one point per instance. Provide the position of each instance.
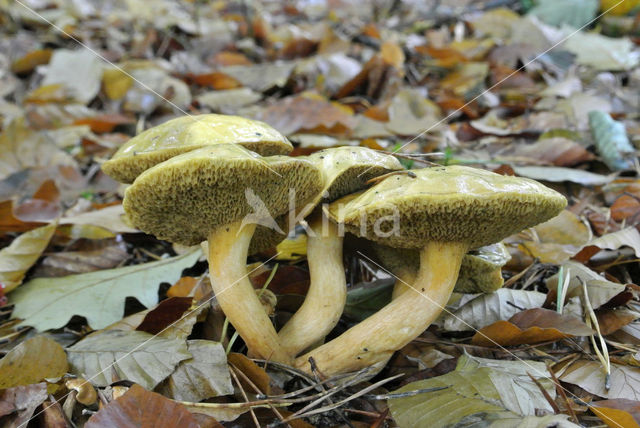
(228, 246)
(399, 322)
(327, 295)
(405, 278)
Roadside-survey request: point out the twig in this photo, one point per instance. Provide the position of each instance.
(553, 404)
(246, 399)
(592, 319)
(560, 391)
(255, 388)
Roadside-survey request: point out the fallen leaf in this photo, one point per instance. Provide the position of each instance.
(483, 309)
(165, 314)
(575, 13)
(128, 355)
(216, 80)
(256, 374)
(611, 141)
(612, 320)
(599, 288)
(104, 122)
(21, 255)
(141, 408)
(29, 61)
(10, 223)
(308, 112)
(629, 237)
(558, 174)
(601, 52)
(590, 376)
(618, 412)
(18, 403)
(79, 71)
(261, 77)
(116, 82)
(479, 389)
(46, 303)
(111, 218)
(467, 80)
(558, 151)
(529, 327)
(558, 239)
(32, 361)
(203, 376)
(410, 113)
(102, 253)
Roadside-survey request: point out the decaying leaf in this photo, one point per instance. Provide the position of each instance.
(618, 412)
(111, 355)
(479, 389)
(205, 375)
(46, 303)
(529, 327)
(32, 361)
(20, 256)
(479, 310)
(590, 376)
(141, 408)
(18, 403)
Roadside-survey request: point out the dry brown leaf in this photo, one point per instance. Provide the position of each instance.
(17, 404)
(32, 361)
(529, 327)
(308, 113)
(256, 374)
(216, 80)
(10, 223)
(165, 314)
(21, 255)
(104, 122)
(612, 320)
(392, 54)
(140, 408)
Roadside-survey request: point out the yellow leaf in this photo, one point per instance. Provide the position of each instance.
(116, 83)
(24, 251)
(31, 60)
(615, 418)
(32, 361)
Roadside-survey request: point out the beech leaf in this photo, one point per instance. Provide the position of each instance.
(531, 326)
(21, 254)
(132, 355)
(32, 361)
(141, 408)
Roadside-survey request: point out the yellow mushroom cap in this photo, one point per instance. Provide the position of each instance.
(347, 169)
(188, 133)
(186, 197)
(446, 204)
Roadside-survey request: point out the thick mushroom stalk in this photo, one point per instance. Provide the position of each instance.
(327, 293)
(377, 337)
(228, 247)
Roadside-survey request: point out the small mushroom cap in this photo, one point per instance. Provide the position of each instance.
(446, 204)
(347, 169)
(480, 270)
(186, 197)
(188, 133)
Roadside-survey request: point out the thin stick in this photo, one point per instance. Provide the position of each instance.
(246, 399)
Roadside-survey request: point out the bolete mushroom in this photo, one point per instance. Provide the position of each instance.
(480, 270)
(187, 133)
(344, 170)
(202, 195)
(444, 212)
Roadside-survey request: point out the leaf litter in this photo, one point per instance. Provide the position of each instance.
(472, 82)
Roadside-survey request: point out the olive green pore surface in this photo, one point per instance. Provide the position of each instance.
(184, 198)
(188, 133)
(479, 271)
(347, 169)
(447, 204)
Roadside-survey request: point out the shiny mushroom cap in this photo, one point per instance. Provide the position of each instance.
(347, 169)
(188, 133)
(446, 204)
(186, 197)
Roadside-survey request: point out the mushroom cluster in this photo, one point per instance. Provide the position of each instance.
(224, 180)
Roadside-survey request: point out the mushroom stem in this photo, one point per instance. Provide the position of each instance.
(327, 295)
(400, 321)
(228, 246)
(405, 276)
